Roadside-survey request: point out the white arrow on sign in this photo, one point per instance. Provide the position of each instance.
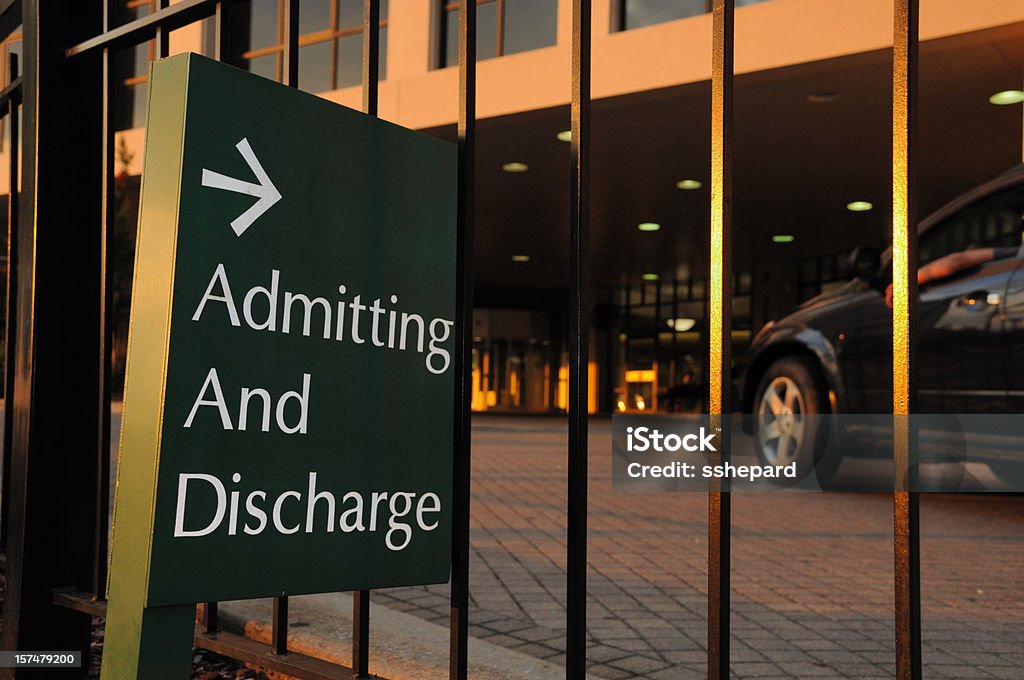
(265, 190)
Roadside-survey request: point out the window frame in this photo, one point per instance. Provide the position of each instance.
(618, 18)
(333, 33)
(444, 7)
(619, 8)
(954, 227)
(5, 78)
(129, 83)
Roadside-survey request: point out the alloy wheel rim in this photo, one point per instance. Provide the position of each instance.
(782, 420)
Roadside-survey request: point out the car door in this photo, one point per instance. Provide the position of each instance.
(1013, 328)
(962, 353)
(964, 356)
(864, 346)
(961, 357)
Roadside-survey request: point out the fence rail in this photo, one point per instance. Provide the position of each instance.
(83, 36)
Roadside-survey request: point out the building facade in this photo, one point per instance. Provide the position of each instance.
(812, 162)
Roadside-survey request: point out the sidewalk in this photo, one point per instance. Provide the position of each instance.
(402, 646)
(812, 579)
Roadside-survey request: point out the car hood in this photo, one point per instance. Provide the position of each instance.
(797, 320)
(847, 289)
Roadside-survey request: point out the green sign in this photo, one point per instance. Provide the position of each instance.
(288, 413)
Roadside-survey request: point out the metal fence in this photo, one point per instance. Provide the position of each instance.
(59, 327)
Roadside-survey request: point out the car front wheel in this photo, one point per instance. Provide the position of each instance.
(790, 403)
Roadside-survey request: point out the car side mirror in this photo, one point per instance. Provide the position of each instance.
(865, 261)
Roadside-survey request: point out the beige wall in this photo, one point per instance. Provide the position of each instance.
(769, 35)
(773, 34)
(187, 39)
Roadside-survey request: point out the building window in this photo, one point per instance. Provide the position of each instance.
(502, 27)
(660, 329)
(10, 46)
(330, 41)
(131, 68)
(638, 13)
(821, 274)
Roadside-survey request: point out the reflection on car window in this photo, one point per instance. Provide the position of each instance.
(994, 222)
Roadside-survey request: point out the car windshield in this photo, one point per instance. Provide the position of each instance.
(994, 221)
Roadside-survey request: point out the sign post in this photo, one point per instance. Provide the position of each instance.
(287, 426)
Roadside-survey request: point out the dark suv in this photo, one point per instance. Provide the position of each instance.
(834, 353)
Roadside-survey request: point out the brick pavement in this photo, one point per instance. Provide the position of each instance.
(812, 573)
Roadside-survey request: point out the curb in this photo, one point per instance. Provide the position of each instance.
(401, 645)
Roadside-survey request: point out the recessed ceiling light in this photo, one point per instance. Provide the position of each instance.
(648, 226)
(649, 277)
(515, 166)
(688, 184)
(564, 136)
(859, 206)
(1007, 97)
(681, 325)
(783, 238)
(520, 258)
(826, 97)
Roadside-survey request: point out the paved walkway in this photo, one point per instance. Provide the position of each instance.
(812, 573)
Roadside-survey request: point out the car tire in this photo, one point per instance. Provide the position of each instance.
(788, 404)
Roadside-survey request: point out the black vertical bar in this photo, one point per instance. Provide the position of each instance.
(458, 658)
(908, 587)
(371, 55)
(499, 40)
(720, 334)
(107, 217)
(56, 343)
(279, 626)
(210, 618)
(361, 634)
(626, 330)
(163, 36)
(605, 344)
(674, 358)
(371, 61)
(9, 326)
(291, 43)
(658, 363)
(906, 511)
(579, 312)
(279, 632)
(221, 47)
